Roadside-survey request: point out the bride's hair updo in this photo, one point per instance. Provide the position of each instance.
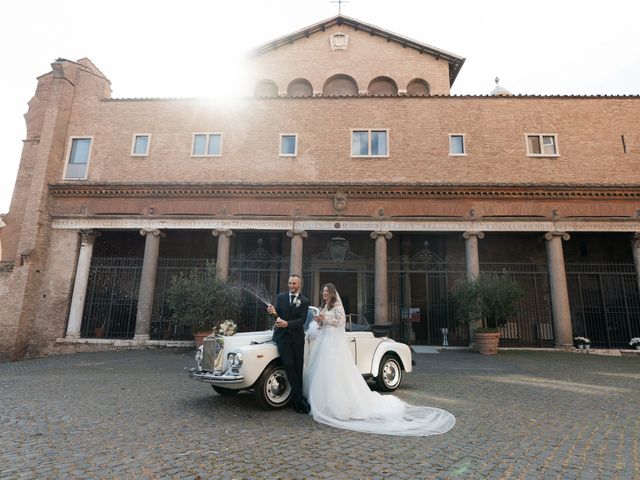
(333, 296)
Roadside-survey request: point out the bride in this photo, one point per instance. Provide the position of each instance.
(340, 397)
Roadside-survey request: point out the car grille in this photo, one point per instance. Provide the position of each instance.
(213, 358)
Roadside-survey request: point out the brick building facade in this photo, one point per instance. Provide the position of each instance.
(349, 161)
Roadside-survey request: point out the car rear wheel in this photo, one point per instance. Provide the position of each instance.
(389, 374)
(273, 390)
(224, 391)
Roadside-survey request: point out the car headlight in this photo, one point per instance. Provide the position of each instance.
(199, 355)
(234, 359)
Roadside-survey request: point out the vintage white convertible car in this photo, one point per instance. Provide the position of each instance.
(250, 361)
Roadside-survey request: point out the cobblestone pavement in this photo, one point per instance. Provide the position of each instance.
(135, 414)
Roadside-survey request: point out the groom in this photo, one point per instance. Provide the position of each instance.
(288, 335)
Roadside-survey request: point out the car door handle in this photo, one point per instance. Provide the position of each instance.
(351, 339)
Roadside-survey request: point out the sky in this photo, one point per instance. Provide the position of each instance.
(156, 48)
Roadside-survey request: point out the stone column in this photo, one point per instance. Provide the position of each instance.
(222, 260)
(87, 239)
(635, 245)
(559, 292)
(147, 282)
(473, 268)
(381, 282)
(297, 237)
(471, 250)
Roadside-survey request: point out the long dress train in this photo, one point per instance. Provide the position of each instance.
(340, 397)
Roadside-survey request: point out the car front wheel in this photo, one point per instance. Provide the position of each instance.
(273, 390)
(389, 374)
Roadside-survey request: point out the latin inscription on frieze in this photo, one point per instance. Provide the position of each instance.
(342, 225)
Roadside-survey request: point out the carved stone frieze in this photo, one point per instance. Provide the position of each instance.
(426, 225)
(113, 190)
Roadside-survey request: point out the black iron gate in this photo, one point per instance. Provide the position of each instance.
(163, 328)
(264, 273)
(419, 298)
(111, 302)
(531, 324)
(604, 303)
(604, 298)
(422, 311)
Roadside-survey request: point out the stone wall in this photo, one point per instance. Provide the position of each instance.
(588, 133)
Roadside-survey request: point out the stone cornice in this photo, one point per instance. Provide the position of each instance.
(351, 190)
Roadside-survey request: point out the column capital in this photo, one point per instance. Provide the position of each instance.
(635, 239)
(88, 237)
(472, 233)
(551, 235)
(301, 233)
(227, 232)
(386, 235)
(156, 232)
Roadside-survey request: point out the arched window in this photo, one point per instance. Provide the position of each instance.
(382, 86)
(418, 88)
(300, 87)
(340, 85)
(266, 88)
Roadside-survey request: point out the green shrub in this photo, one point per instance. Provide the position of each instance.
(201, 300)
(489, 300)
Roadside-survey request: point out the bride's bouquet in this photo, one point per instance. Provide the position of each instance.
(226, 328)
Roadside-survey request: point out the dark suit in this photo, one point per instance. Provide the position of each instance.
(290, 341)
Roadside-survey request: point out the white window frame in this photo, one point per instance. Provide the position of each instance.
(368, 130)
(133, 144)
(68, 154)
(464, 145)
(295, 146)
(206, 145)
(540, 135)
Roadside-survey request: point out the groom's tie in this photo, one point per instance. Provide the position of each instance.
(292, 300)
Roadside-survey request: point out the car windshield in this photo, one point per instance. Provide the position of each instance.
(355, 323)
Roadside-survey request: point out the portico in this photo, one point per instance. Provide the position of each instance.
(364, 258)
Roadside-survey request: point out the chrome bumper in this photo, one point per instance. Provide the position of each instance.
(212, 377)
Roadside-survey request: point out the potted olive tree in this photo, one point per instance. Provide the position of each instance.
(486, 303)
(203, 301)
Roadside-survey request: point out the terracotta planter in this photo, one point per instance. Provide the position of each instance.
(487, 343)
(99, 332)
(199, 337)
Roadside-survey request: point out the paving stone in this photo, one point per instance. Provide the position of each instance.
(135, 414)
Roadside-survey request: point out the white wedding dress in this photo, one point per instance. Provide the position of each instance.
(340, 397)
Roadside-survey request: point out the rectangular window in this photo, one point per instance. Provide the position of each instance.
(207, 145)
(140, 145)
(369, 143)
(288, 145)
(542, 145)
(78, 158)
(456, 145)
